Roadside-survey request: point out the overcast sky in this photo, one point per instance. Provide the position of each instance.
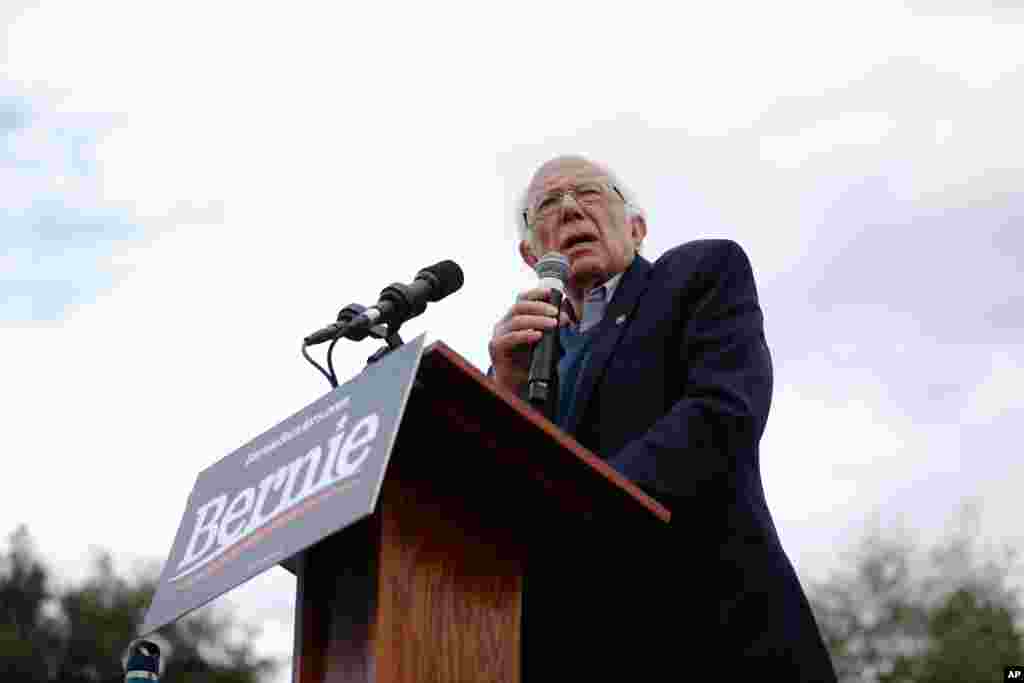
(187, 189)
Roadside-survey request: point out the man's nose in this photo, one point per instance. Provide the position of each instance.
(571, 211)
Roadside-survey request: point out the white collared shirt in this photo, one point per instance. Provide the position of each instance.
(595, 303)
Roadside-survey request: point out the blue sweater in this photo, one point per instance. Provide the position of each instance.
(575, 347)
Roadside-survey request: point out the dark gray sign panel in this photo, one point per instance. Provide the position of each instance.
(312, 475)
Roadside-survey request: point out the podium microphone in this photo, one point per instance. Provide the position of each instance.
(397, 303)
(542, 385)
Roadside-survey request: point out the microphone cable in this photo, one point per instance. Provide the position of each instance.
(345, 315)
(333, 378)
(320, 369)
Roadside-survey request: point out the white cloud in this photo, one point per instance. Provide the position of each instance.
(999, 392)
(848, 129)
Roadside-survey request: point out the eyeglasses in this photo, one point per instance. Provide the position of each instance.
(585, 194)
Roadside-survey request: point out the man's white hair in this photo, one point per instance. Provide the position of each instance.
(632, 207)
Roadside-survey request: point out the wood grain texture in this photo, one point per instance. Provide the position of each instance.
(434, 597)
(336, 612)
(450, 590)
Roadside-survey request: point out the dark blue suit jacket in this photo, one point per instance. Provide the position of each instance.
(675, 396)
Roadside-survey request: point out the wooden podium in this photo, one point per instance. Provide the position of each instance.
(430, 587)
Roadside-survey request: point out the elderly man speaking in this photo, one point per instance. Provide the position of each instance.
(666, 375)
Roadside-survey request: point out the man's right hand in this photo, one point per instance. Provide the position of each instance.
(515, 334)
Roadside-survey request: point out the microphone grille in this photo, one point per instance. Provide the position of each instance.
(553, 265)
(448, 276)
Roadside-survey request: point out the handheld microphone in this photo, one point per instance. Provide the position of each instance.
(397, 303)
(542, 385)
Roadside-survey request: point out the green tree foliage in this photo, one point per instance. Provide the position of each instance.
(81, 634)
(895, 618)
(26, 633)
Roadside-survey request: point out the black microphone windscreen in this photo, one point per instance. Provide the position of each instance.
(449, 276)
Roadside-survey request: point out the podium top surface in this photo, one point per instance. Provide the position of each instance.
(527, 441)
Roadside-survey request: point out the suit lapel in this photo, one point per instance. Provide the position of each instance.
(609, 332)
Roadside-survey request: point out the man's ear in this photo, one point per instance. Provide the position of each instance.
(637, 228)
(526, 251)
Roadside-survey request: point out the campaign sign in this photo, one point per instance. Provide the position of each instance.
(314, 474)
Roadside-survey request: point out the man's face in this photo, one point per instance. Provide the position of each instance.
(592, 233)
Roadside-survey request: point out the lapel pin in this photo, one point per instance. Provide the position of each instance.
(621, 319)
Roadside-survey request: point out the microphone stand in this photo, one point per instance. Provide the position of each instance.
(387, 332)
(346, 316)
(392, 342)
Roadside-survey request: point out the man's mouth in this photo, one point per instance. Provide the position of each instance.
(578, 240)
